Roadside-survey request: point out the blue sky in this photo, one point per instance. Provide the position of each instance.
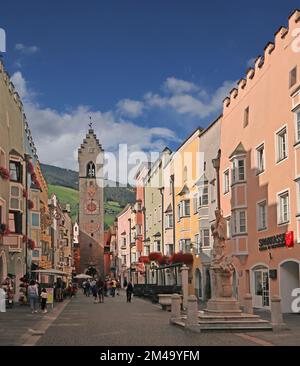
(152, 70)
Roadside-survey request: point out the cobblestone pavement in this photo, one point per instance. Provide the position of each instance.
(117, 323)
(18, 324)
(80, 322)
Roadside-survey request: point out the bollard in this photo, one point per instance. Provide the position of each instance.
(175, 307)
(248, 308)
(276, 314)
(185, 284)
(192, 314)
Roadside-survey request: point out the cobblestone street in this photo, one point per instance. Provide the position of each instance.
(80, 322)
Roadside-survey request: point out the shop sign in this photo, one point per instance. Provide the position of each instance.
(277, 241)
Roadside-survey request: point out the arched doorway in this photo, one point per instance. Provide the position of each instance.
(260, 286)
(198, 284)
(3, 266)
(289, 280)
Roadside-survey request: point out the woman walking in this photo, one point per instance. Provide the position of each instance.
(44, 297)
(33, 295)
(100, 288)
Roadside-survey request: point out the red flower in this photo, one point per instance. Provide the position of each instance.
(4, 173)
(25, 194)
(30, 204)
(155, 256)
(164, 260)
(144, 259)
(186, 258)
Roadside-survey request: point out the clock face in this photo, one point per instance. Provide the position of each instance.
(91, 207)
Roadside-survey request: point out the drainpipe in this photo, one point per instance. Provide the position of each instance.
(161, 190)
(27, 157)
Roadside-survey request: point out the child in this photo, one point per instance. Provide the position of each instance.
(44, 297)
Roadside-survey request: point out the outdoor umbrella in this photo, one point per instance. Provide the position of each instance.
(82, 275)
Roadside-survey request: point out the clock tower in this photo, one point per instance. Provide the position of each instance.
(91, 211)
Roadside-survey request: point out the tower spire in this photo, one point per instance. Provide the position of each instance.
(91, 123)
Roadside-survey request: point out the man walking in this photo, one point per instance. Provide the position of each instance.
(129, 291)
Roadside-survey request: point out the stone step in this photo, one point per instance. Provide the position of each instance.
(229, 318)
(234, 322)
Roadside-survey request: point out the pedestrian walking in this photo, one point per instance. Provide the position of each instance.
(113, 285)
(44, 298)
(2, 300)
(100, 288)
(118, 287)
(87, 288)
(129, 291)
(33, 295)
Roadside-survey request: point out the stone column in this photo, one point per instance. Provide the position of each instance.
(276, 314)
(248, 307)
(185, 284)
(175, 307)
(192, 313)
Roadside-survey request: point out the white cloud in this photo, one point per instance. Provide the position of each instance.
(58, 135)
(178, 86)
(130, 108)
(26, 50)
(201, 105)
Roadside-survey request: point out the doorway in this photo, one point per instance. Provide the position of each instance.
(198, 284)
(289, 280)
(261, 287)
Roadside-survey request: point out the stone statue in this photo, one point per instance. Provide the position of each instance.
(219, 233)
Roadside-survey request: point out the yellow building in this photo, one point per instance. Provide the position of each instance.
(187, 169)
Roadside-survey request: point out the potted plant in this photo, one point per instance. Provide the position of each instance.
(164, 260)
(155, 256)
(4, 173)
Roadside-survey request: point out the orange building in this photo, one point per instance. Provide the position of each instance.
(260, 172)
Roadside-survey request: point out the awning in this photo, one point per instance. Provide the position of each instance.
(53, 272)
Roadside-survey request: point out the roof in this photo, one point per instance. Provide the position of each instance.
(239, 150)
(169, 208)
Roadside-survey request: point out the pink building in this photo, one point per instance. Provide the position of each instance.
(123, 242)
(260, 172)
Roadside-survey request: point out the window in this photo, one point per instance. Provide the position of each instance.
(169, 221)
(262, 215)
(15, 197)
(170, 249)
(298, 126)
(226, 181)
(283, 208)
(203, 194)
(293, 77)
(90, 170)
(239, 223)
(157, 245)
(186, 208)
(238, 170)
(195, 203)
(185, 245)
(197, 243)
(123, 259)
(260, 158)
(15, 222)
(212, 192)
(281, 145)
(246, 117)
(146, 250)
(205, 238)
(15, 171)
(228, 219)
(35, 219)
(178, 212)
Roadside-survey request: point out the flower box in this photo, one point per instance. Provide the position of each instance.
(144, 259)
(185, 258)
(4, 173)
(164, 260)
(155, 256)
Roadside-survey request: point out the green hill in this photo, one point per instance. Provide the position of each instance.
(70, 195)
(69, 178)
